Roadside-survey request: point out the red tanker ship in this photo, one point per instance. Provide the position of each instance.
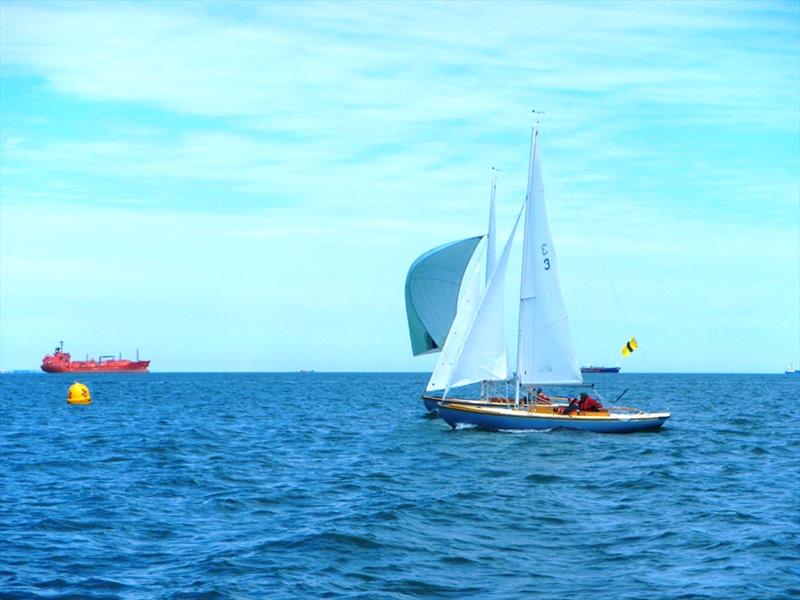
(61, 362)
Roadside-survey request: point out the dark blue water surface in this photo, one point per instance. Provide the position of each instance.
(337, 485)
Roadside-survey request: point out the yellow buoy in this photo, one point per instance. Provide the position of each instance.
(78, 394)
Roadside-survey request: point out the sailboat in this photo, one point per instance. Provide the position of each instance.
(446, 281)
(474, 349)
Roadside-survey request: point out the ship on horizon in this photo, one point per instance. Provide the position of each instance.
(594, 369)
(61, 362)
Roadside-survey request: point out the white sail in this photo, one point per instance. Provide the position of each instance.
(545, 353)
(475, 349)
(468, 304)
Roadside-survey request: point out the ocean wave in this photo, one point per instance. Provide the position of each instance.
(186, 496)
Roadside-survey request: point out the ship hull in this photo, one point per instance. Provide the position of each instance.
(115, 367)
(600, 369)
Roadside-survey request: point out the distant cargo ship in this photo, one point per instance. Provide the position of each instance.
(593, 369)
(61, 362)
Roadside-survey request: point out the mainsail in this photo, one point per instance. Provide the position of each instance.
(545, 354)
(432, 292)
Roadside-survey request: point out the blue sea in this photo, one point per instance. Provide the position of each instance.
(338, 485)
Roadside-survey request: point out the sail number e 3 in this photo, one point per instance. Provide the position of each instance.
(546, 260)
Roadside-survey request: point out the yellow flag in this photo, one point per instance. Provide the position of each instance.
(629, 347)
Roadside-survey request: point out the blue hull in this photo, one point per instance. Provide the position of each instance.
(520, 420)
(431, 404)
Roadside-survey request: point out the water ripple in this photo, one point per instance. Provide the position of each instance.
(161, 490)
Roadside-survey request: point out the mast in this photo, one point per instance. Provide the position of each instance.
(525, 242)
(490, 236)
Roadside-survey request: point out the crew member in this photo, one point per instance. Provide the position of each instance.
(573, 406)
(588, 404)
(542, 398)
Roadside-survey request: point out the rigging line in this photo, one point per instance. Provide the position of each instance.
(594, 246)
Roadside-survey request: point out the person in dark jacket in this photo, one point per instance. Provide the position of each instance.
(583, 403)
(589, 404)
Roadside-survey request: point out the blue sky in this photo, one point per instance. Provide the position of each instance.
(242, 186)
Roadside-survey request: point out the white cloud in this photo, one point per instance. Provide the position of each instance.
(332, 142)
(328, 67)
